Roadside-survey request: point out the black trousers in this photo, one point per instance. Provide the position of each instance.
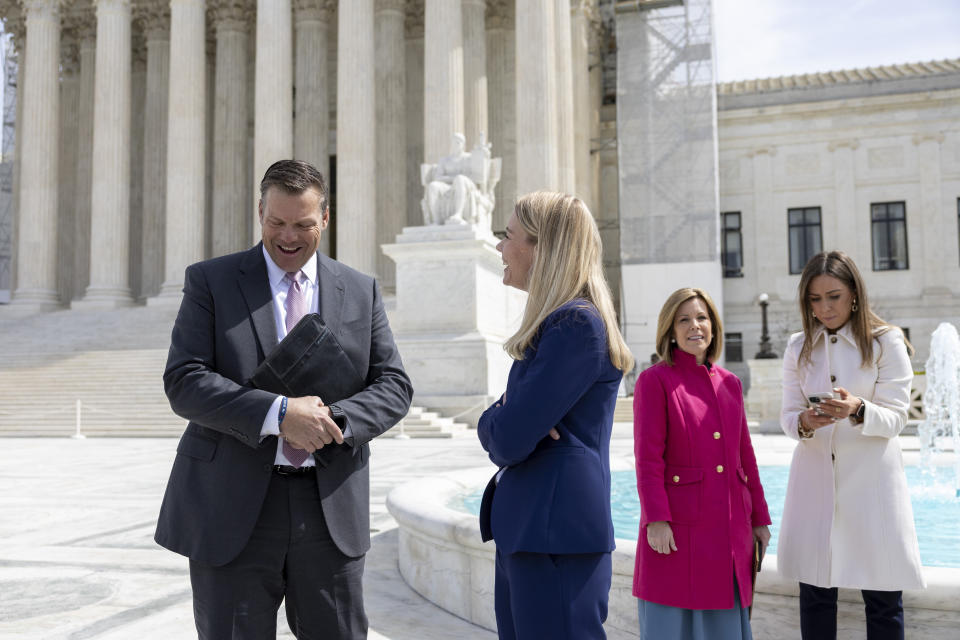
(290, 555)
(818, 613)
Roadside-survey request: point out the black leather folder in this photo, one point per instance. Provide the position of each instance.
(309, 361)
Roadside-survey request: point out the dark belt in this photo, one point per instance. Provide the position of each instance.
(287, 470)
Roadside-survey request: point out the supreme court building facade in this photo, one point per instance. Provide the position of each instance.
(143, 127)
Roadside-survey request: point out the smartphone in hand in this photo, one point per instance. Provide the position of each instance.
(816, 398)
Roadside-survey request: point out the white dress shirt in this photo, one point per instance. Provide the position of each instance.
(278, 289)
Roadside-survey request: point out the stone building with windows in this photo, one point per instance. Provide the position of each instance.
(866, 161)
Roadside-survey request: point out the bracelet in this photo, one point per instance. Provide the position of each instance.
(803, 432)
(283, 411)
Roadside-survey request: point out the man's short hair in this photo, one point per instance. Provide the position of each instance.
(294, 177)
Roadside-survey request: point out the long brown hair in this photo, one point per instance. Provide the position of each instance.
(866, 325)
(567, 264)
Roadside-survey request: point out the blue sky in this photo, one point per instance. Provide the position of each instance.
(767, 38)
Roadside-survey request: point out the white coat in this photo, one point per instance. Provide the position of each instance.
(847, 519)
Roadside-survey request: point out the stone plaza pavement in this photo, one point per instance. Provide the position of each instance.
(77, 557)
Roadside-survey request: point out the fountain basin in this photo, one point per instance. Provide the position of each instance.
(442, 558)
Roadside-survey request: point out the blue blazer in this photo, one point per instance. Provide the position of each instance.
(554, 496)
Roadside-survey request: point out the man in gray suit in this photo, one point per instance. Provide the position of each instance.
(269, 495)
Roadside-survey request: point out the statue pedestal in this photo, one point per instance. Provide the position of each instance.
(452, 317)
(766, 394)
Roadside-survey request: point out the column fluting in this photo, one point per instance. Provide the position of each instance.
(110, 190)
(391, 132)
(232, 206)
(442, 76)
(501, 65)
(566, 164)
(475, 103)
(356, 127)
(156, 24)
(273, 93)
(536, 97)
(186, 145)
(312, 96)
(36, 256)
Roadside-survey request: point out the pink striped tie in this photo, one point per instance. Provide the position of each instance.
(296, 308)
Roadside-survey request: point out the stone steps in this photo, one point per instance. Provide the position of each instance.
(421, 423)
(623, 412)
(120, 394)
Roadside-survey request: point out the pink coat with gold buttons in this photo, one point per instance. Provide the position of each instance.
(695, 469)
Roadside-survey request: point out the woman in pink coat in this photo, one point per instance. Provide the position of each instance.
(701, 501)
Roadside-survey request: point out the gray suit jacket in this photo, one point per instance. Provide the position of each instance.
(224, 329)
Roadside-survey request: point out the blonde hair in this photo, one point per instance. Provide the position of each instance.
(866, 325)
(567, 264)
(668, 314)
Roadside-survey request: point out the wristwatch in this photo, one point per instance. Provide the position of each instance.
(857, 417)
(337, 414)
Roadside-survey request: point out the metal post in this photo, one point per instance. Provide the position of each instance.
(77, 435)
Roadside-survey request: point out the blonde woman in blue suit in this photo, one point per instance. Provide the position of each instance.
(548, 508)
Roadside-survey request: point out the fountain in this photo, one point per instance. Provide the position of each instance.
(941, 400)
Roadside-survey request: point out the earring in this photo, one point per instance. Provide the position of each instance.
(673, 341)
(854, 307)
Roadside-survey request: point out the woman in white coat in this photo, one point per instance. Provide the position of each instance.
(847, 519)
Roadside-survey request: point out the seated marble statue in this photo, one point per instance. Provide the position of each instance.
(459, 188)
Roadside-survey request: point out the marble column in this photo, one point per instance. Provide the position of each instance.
(536, 96)
(391, 132)
(501, 67)
(582, 15)
(157, 27)
(475, 106)
(442, 76)
(138, 81)
(311, 119)
(232, 206)
(69, 131)
(36, 286)
(87, 33)
(413, 61)
(566, 160)
(110, 220)
(356, 127)
(273, 93)
(186, 146)
(16, 26)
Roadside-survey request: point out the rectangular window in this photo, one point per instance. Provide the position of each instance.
(889, 236)
(806, 239)
(731, 245)
(733, 345)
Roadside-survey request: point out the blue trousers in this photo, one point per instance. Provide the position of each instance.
(818, 613)
(561, 597)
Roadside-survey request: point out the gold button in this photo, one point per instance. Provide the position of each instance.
(676, 478)
(716, 435)
(833, 338)
(719, 468)
(746, 478)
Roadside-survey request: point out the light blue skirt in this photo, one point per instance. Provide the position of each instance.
(660, 621)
